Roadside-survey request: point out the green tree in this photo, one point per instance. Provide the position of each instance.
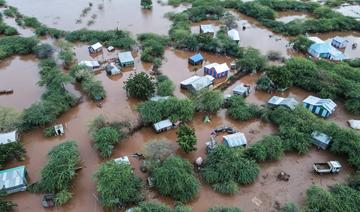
(164, 86)
(117, 184)
(10, 119)
(223, 209)
(238, 109)
(43, 50)
(280, 76)
(139, 85)
(252, 60)
(208, 100)
(105, 139)
(7, 206)
(186, 138)
(301, 43)
(269, 148)
(157, 206)
(147, 4)
(318, 199)
(175, 178)
(290, 207)
(10, 151)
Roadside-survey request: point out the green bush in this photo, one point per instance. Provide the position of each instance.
(10, 119)
(118, 185)
(10, 151)
(301, 43)
(43, 51)
(62, 197)
(139, 85)
(208, 100)
(225, 165)
(223, 209)
(169, 179)
(153, 46)
(290, 207)
(6, 205)
(105, 139)
(186, 138)
(354, 181)
(164, 86)
(16, 45)
(269, 148)
(238, 109)
(252, 60)
(157, 206)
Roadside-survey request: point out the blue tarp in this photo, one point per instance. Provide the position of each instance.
(197, 58)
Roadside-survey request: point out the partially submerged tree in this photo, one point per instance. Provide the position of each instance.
(10, 119)
(157, 206)
(139, 85)
(164, 86)
(175, 178)
(10, 151)
(118, 185)
(6, 205)
(158, 150)
(251, 61)
(186, 138)
(43, 50)
(269, 148)
(238, 109)
(208, 100)
(146, 4)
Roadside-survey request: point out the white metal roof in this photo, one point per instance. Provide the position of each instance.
(289, 102)
(202, 82)
(189, 80)
(240, 89)
(220, 68)
(125, 57)
(207, 28)
(90, 63)
(335, 164)
(9, 137)
(236, 139)
(96, 46)
(322, 137)
(275, 100)
(234, 34)
(328, 104)
(355, 124)
(13, 177)
(316, 39)
(163, 124)
(123, 159)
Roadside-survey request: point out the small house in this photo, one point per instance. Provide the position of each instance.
(217, 70)
(13, 180)
(242, 90)
(197, 83)
(327, 51)
(124, 159)
(163, 126)
(288, 102)
(339, 42)
(207, 29)
(196, 59)
(126, 59)
(321, 107)
(112, 69)
(110, 48)
(321, 140)
(95, 48)
(90, 64)
(234, 35)
(9, 137)
(59, 129)
(235, 140)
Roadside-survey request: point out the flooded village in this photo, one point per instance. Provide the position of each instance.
(179, 105)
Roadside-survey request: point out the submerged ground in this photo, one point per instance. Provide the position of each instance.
(21, 74)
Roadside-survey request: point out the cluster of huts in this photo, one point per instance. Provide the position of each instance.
(124, 59)
(328, 49)
(14, 179)
(209, 29)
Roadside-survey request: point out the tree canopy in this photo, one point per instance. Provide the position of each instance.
(238, 109)
(139, 85)
(208, 100)
(186, 138)
(10, 119)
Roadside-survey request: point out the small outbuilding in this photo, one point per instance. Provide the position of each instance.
(242, 90)
(196, 59)
(163, 126)
(95, 48)
(234, 35)
(8, 137)
(321, 140)
(217, 70)
(339, 42)
(112, 69)
(327, 51)
(235, 140)
(110, 48)
(288, 102)
(92, 64)
(59, 129)
(124, 159)
(197, 83)
(321, 107)
(13, 180)
(207, 29)
(126, 59)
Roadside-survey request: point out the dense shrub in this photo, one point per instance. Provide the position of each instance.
(301, 43)
(354, 181)
(157, 206)
(164, 86)
(172, 108)
(6, 205)
(43, 51)
(208, 100)
(169, 179)
(116, 38)
(269, 148)
(16, 45)
(186, 138)
(226, 167)
(252, 60)
(10, 119)
(290, 207)
(10, 151)
(6, 29)
(238, 109)
(153, 46)
(118, 185)
(139, 85)
(158, 150)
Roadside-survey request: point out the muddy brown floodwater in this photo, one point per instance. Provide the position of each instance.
(288, 16)
(124, 14)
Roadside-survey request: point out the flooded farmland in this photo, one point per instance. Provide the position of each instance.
(20, 73)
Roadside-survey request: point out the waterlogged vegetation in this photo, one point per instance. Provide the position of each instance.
(14, 45)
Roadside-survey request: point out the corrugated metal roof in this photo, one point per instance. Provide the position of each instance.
(328, 104)
(89, 63)
(196, 58)
(327, 48)
(220, 68)
(125, 57)
(235, 140)
(207, 28)
(340, 39)
(202, 83)
(189, 80)
(96, 46)
(123, 159)
(234, 34)
(322, 137)
(240, 89)
(316, 39)
(289, 102)
(13, 177)
(163, 124)
(275, 100)
(9, 137)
